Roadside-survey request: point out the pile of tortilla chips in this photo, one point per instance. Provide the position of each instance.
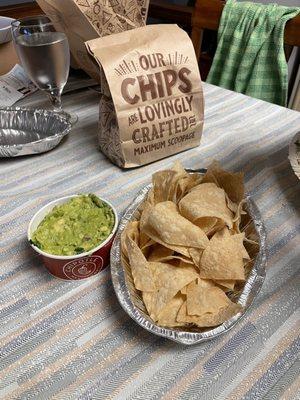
(186, 252)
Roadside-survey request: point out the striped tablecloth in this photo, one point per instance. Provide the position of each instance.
(67, 340)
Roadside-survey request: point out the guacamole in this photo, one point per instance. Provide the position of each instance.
(75, 227)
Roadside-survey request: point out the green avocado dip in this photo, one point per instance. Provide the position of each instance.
(77, 226)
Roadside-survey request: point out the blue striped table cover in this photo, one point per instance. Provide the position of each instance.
(71, 340)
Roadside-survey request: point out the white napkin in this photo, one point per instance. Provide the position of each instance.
(14, 86)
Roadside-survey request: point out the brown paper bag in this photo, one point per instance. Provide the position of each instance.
(157, 104)
(84, 20)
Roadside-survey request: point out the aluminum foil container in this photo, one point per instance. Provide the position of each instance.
(133, 305)
(26, 131)
(294, 154)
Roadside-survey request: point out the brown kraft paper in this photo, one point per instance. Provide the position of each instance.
(157, 101)
(83, 20)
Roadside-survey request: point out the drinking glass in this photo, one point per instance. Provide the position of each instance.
(45, 56)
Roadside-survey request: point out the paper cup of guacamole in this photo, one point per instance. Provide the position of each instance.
(74, 235)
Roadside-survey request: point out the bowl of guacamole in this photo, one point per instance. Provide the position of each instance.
(75, 233)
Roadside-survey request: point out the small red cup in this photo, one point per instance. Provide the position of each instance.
(79, 266)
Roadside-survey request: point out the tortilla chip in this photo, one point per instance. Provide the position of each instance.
(169, 280)
(146, 242)
(220, 224)
(141, 273)
(180, 258)
(132, 231)
(175, 259)
(185, 264)
(238, 217)
(149, 200)
(232, 183)
(251, 241)
(184, 289)
(164, 184)
(146, 248)
(208, 319)
(125, 263)
(206, 224)
(185, 181)
(239, 238)
(206, 200)
(159, 252)
(178, 249)
(153, 234)
(230, 204)
(226, 233)
(168, 315)
(165, 223)
(145, 215)
(225, 285)
(222, 258)
(185, 184)
(148, 301)
(239, 211)
(204, 297)
(196, 255)
(194, 179)
(178, 168)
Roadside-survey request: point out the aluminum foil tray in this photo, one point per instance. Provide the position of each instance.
(294, 154)
(133, 305)
(26, 131)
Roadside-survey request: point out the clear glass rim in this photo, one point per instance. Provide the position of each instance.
(16, 22)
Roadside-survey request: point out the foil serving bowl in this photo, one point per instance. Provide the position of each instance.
(131, 301)
(25, 131)
(294, 154)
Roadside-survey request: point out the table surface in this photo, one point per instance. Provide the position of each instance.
(72, 340)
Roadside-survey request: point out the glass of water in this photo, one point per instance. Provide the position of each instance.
(45, 56)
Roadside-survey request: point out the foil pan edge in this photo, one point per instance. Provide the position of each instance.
(47, 143)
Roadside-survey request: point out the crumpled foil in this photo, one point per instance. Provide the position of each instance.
(132, 303)
(294, 154)
(26, 131)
